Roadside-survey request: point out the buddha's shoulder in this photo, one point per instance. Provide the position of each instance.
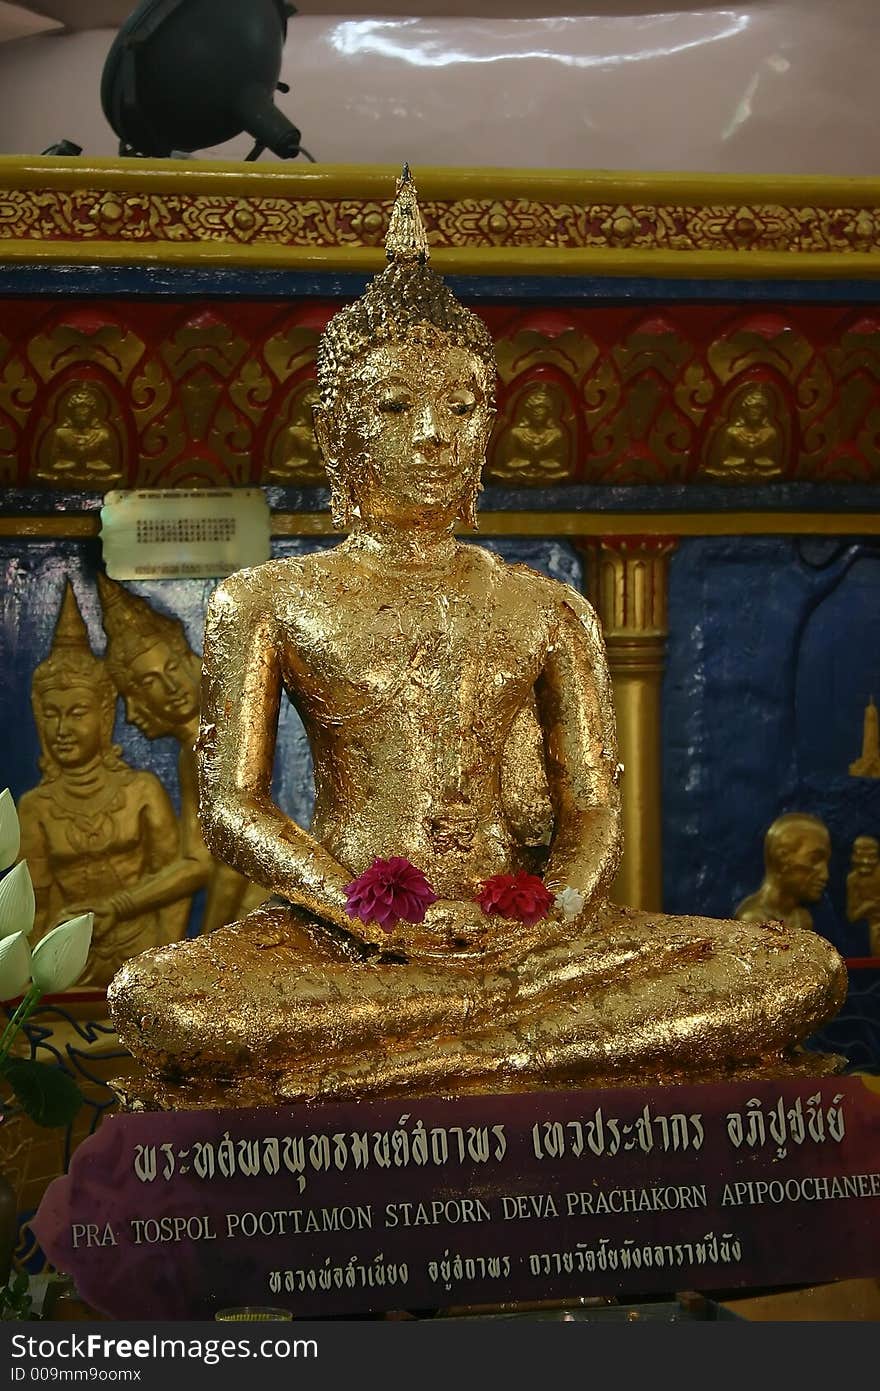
(262, 585)
(554, 598)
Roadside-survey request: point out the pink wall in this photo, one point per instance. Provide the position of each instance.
(763, 86)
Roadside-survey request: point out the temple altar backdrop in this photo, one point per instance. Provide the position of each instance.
(689, 431)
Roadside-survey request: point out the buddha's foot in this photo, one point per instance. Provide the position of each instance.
(274, 1009)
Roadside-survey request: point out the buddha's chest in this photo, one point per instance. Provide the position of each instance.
(415, 654)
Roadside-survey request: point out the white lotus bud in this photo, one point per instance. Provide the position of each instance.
(17, 903)
(60, 958)
(10, 831)
(15, 965)
(570, 902)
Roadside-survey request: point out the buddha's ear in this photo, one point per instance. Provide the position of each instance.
(321, 422)
(340, 500)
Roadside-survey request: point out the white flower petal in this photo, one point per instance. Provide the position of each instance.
(17, 902)
(15, 965)
(570, 902)
(10, 831)
(60, 958)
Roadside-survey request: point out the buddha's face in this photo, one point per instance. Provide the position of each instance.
(162, 690)
(754, 410)
(407, 435)
(83, 410)
(537, 410)
(865, 855)
(72, 725)
(804, 864)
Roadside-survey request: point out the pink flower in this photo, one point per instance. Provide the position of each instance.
(523, 896)
(388, 892)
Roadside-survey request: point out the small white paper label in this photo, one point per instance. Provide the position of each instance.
(165, 534)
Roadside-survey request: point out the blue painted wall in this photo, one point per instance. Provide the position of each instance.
(774, 651)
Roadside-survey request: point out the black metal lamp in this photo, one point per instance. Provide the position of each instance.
(186, 74)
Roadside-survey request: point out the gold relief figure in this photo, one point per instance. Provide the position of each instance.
(535, 447)
(797, 850)
(157, 673)
(295, 456)
(863, 888)
(460, 716)
(93, 827)
(868, 765)
(751, 443)
(82, 447)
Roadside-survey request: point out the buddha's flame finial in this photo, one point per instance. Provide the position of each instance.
(71, 634)
(407, 240)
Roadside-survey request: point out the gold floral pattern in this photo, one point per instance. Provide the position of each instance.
(294, 218)
(221, 394)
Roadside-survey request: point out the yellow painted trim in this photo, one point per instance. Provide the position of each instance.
(486, 261)
(574, 524)
(376, 182)
(64, 526)
(679, 523)
(355, 184)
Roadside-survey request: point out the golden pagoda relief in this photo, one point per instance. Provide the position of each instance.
(461, 722)
(867, 765)
(93, 828)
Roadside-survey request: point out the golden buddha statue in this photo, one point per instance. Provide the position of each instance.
(863, 888)
(460, 717)
(751, 445)
(296, 457)
(157, 673)
(93, 827)
(81, 447)
(534, 449)
(797, 850)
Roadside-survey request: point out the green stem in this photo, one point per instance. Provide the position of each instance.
(22, 1014)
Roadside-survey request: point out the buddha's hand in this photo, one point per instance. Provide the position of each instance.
(454, 925)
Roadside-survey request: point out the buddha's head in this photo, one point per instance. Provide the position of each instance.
(151, 663)
(407, 379)
(84, 408)
(797, 851)
(74, 700)
(537, 407)
(865, 854)
(755, 407)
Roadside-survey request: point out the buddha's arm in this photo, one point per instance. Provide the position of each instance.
(577, 717)
(241, 693)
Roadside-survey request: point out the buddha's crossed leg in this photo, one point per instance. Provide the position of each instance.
(278, 996)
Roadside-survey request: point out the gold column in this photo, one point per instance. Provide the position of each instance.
(627, 582)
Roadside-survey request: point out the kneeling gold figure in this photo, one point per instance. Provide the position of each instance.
(459, 713)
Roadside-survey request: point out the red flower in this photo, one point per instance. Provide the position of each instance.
(523, 896)
(388, 892)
